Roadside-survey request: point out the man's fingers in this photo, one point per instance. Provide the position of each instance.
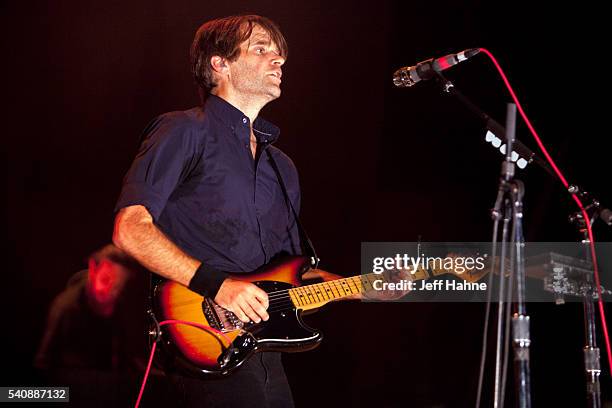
(259, 308)
(262, 301)
(261, 296)
(237, 310)
(406, 275)
(249, 312)
(245, 300)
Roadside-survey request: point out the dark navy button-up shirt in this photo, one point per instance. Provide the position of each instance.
(196, 175)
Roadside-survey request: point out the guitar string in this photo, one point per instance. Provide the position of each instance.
(340, 283)
(330, 293)
(340, 287)
(284, 304)
(353, 280)
(308, 286)
(362, 279)
(281, 300)
(358, 281)
(317, 297)
(276, 304)
(320, 296)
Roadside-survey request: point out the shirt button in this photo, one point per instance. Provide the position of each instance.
(244, 120)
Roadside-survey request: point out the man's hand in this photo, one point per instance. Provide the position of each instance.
(244, 299)
(390, 276)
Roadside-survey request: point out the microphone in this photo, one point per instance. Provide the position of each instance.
(408, 76)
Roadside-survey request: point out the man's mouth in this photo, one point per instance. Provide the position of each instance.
(276, 74)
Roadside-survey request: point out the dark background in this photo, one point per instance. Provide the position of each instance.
(377, 163)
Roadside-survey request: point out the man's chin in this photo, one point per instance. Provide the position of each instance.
(274, 93)
(267, 94)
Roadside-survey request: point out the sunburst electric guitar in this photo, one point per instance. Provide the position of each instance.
(206, 353)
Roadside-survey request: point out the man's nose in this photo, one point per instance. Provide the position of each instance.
(278, 59)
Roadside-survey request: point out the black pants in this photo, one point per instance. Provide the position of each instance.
(260, 382)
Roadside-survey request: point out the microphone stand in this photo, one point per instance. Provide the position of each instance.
(591, 352)
(509, 205)
(521, 324)
(510, 193)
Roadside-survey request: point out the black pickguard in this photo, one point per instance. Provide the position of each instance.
(285, 330)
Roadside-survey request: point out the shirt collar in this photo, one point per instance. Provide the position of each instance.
(233, 117)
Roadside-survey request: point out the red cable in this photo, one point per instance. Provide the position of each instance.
(574, 196)
(165, 322)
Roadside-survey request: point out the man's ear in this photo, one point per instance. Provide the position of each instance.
(219, 64)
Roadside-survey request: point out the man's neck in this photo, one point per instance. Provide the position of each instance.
(245, 104)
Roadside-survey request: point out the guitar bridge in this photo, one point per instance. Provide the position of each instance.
(220, 318)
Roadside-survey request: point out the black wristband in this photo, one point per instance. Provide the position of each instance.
(207, 280)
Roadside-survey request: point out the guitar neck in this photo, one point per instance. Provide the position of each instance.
(318, 294)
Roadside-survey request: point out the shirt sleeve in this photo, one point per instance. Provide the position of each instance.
(168, 153)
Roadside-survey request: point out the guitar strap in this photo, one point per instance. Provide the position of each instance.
(309, 248)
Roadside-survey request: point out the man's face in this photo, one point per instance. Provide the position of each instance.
(257, 71)
(107, 280)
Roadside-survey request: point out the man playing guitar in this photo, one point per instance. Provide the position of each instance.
(202, 198)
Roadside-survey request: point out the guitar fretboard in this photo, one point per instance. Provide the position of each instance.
(312, 296)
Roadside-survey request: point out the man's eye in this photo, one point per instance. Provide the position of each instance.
(260, 50)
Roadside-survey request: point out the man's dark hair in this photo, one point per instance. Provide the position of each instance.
(222, 37)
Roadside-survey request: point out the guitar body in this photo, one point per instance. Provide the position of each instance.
(202, 353)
